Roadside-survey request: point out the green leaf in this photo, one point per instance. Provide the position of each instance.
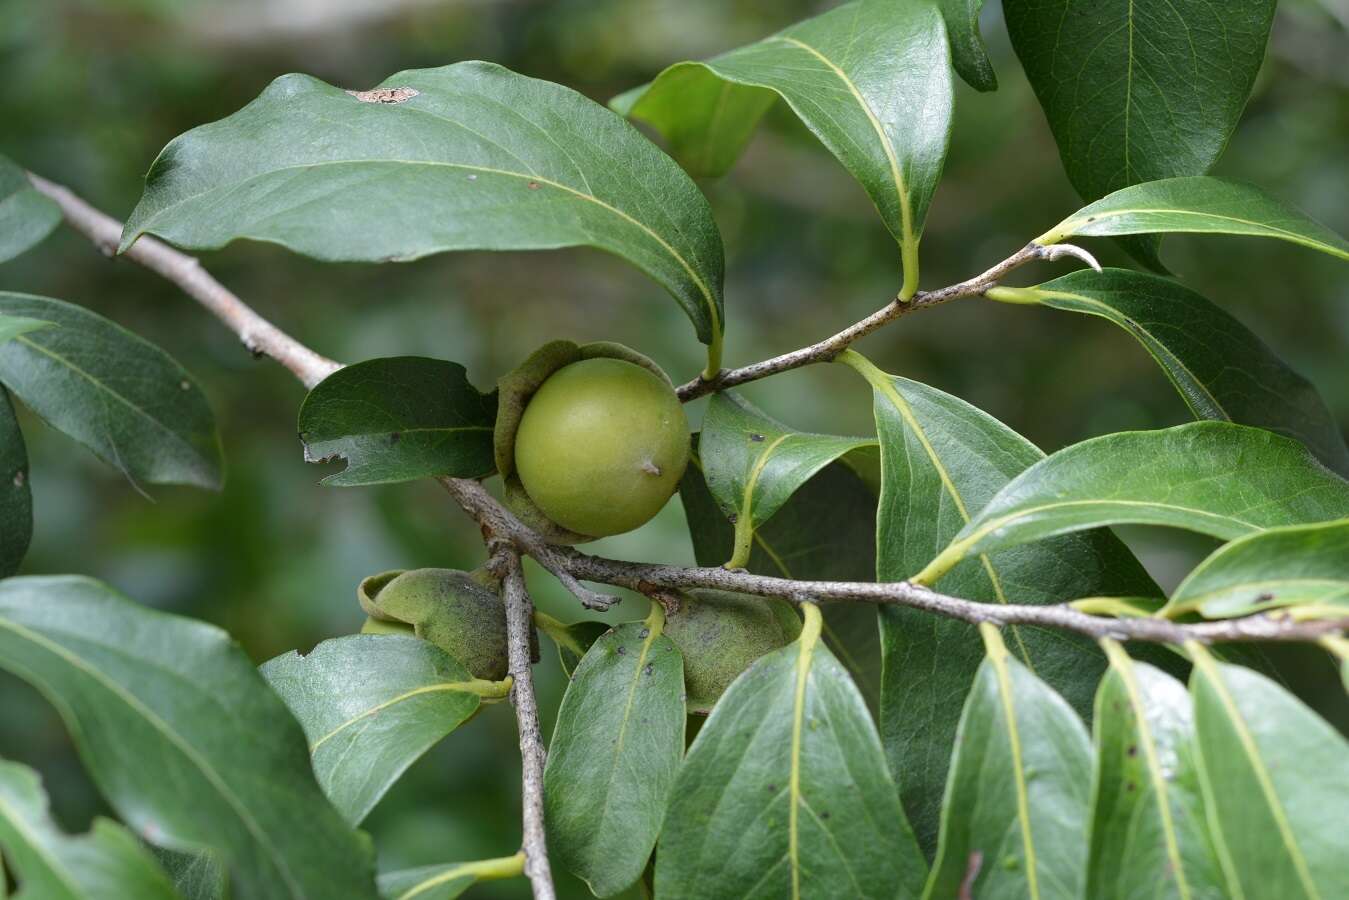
(399, 419)
(1298, 565)
(1148, 833)
(941, 460)
(108, 863)
(618, 742)
(1199, 205)
(13, 326)
(370, 706)
(26, 216)
(968, 55)
(16, 497)
(195, 876)
(446, 881)
(572, 641)
(753, 464)
(826, 531)
(1276, 784)
(1015, 810)
(1211, 477)
(464, 157)
(871, 79)
(1138, 90)
(785, 791)
(120, 396)
(1221, 370)
(182, 736)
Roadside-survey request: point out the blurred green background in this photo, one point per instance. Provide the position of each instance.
(90, 91)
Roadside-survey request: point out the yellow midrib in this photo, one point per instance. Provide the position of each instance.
(1122, 664)
(744, 525)
(697, 279)
(810, 635)
(1204, 662)
(885, 385)
(190, 752)
(997, 655)
(1069, 226)
(954, 553)
(455, 686)
(1111, 314)
(896, 173)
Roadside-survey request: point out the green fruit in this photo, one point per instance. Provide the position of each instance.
(454, 611)
(721, 634)
(383, 626)
(601, 446)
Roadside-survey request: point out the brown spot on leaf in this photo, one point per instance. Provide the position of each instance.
(533, 185)
(19, 478)
(386, 95)
(395, 437)
(756, 438)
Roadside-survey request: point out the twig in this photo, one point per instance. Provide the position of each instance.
(259, 336)
(1263, 627)
(497, 519)
(571, 566)
(827, 349)
(519, 624)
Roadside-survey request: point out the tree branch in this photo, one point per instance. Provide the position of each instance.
(497, 519)
(259, 337)
(830, 347)
(571, 566)
(519, 626)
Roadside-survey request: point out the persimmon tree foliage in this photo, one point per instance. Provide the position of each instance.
(913, 664)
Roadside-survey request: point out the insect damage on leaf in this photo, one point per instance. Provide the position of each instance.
(386, 95)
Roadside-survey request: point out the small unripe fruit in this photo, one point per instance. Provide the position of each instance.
(721, 634)
(384, 626)
(455, 612)
(601, 446)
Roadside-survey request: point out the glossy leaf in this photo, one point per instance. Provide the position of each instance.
(968, 55)
(399, 419)
(753, 463)
(785, 791)
(1200, 205)
(446, 881)
(1015, 810)
(108, 863)
(1276, 782)
(464, 157)
(942, 460)
(618, 742)
(16, 497)
(182, 736)
(826, 531)
(26, 216)
(871, 79)
(370, 706)
(1299, 565)
(122, 397)
(1139, 90)
(1149, 837)
(1211, 477)
(1221, 370)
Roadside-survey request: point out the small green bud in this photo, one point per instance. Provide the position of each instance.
(452, 609)
(720, 634)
